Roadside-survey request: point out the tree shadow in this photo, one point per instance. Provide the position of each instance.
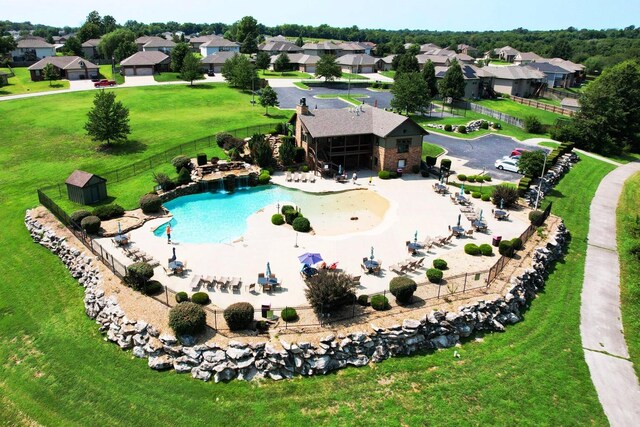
(554, 193)
(56, 85)
(129, 147)
(201, 86)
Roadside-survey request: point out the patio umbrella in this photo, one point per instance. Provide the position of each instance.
(119, 228)
(372, 253)
(340, 170)
(459, 216)
(415, 237)
(480, 219)
(501, 203)
(310, 258)
(268, 272)
(173, 258)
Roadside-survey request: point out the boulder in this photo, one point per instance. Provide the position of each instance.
(160, 363)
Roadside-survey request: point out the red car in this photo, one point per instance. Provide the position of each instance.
(518, 151)
(104, 83)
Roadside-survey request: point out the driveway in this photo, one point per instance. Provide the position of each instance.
(289, 97)
(481, 152)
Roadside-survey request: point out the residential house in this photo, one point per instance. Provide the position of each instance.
(68, 67)
(555, 76)
(215, 61)
(196, 42)
(90, 49)
(158, 44)
(427, 47)
(32, 49)
(358, 63)
(353, 48)
(385, 64)
(506, 53)
(524, 58)
(438, 60)
(571, 104)
(319, 49)
(301, 62)
(276, 47)
(518, 80)
(358, 138)
(145, 63)
(476, 80)
(218, 44)
(467, 50)
(578, 74)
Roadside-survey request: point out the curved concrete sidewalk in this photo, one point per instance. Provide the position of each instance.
(603, 341)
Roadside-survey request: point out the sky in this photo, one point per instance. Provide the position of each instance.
(440, 15)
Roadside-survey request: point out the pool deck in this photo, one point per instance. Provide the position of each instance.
(413, 205)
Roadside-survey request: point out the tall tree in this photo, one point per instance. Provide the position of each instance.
(50, 73)
(108, 120)
(249, 45)
(72, 46)
(191, 68)
(239, 72)
(410, 93)
(282, 63)
(328, 68)
(561, 49)
(119, 44)
(246, 32)
(452, 84)
(89, 31)
(300, 41)
(609, 116)
(406, 63)
(263, 60)
(7, 45)
(429, 76)
(268, 98)
(178, 54)
(108, 24)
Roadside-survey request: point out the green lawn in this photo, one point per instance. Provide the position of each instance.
(628, 223)
(433, 150)
(57, 369)
(266, 74)
(500, 62)
(301, 85)
(548, 101)
(106, 72)
(167, 76)
(21, 83)
(391, 73)
(520, 111)
(347, 76)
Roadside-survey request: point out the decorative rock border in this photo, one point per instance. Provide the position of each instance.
(440, 329)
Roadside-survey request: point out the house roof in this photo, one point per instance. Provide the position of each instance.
(91, 43)
(159, 42)
(278, 38)
(352, 46)
(507, 50)
(220, 42)
(299, 58)
(330, 122)
(218, 57)
(202, 39)
(469, 72)
(463, 46)
(528, 56)
(436, 59)
(356, 59)
(567, 65)
(570, 102)
(33, 43)
(514, 72)
(463, 57)
(547, 67)
(321, 46)
(64, 63)
(429, 46)
(145, 58)
(80, 178)
(280, 46)
(387, 59)
(440, 52)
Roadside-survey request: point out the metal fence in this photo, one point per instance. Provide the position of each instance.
(542, 106)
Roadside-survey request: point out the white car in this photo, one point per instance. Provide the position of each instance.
(507, 164)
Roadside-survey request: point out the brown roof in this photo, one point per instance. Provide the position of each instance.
(91, 43)
(280, 46)
(299, 58)
(202, 39)
(64, 63)
(528, 56)
(436, 59)
(149, 57)
(356, 59)
(321, 46)
(218, 57)
(330, 122)
(159, 42)
(514, 72)
(33, 43)
(80, 178)
(219, 41)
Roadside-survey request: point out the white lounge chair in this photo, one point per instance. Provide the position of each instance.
(195, 282)
(288, 176)
(312, 178)
(296, 177)
(234, 284)
(305, 177)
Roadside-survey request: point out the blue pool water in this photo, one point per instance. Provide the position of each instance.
(219, 217)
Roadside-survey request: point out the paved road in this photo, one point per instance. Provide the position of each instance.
(290, 96)
(603, 341)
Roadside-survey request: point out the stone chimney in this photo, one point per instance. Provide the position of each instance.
(301, 110)
(302, 107)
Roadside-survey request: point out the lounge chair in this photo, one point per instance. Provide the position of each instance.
(305, 176)
(469, 232)
(312, 178)
(168, 271)
(235, 284)
(296, 177)
(207, 279)
(195, 282)
(288, 176)
(447, 240)
(356, 280)
(396, 268)
(412, 265)
(223, 281)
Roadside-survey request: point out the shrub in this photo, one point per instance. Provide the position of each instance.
(471, 178)
(184, 176)
(239, 316)
(383, 174)
(506, 192)
(215, 160)
(182, 297)
(380, 303)
(287, 152)
(445, 164)
(484, 125)
(497, 125)
(328, 291)
(180, 162)
(506, 248)
(201, 158)
(91, 224)
(201, 298)
(187, 318)
(222, 138)
(363, 300)
(462, 177)
(150, 203)
(536, 217)
(78, 216)
(153, 287)
(476, 194)
(289, 314)
(462, 129)
(415, 169)
(290, 216)
(486, 249)
(163, 180)
(485, 197)
(471, 249)
(301, 224)
(138, 274)
(277, 219)
(286, 208)
(516, 243)
(430, 161)
(533, 125)
(434, 275)
(440, 264)
(305, 168)
(301, 154)
(448, 128)
(107, 212)
(264, 177)
(393, 174)
(402, 288)
(280, 129)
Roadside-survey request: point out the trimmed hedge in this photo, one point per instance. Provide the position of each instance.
(430, 160)
(476, 194)
(277, 219)
(107, 212)
(440, 264)
(264, 177)
(485, 197)
(180, 162)
(201, 298)
(153, 287)
(434, 275)
(462, 129)
(150, 203)
(301, 224)
(363, 300)
(462, 177)
(448, 127)
(384, 174)
(285, 208)
(471, 249)
(516, 242)
(445, 164)
(91, 224)
(187, 318)
(182, 297)
(239, 316)
(486, 249)
(402, 288)
(536, 217)
(289, 314)
(506, 248)
(78, 216)
(471, 178)
(380, 303)
(138, 275)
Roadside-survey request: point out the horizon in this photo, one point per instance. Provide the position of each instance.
(454, 16)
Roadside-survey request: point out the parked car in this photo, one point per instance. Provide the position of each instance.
(104, 83)
(518, 151)
(507, 164)
(211, 73)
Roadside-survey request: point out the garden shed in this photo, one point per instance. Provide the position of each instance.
(86, 188)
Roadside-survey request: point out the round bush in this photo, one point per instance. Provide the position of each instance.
(380, 303)
(516, 242)
(471, 178)
(536, 217)
(187, 318)
(486, 178)
(434, 275)
(184, 176)
(476, 194)
(440, 264)
(201, 298)
(150, 203)
(305, 168)
(108, 212)
(484, 125)
(486, 249)
(383, 174)
(445, 164)
(180, 162)
(264, 177)
(471, 249)
(182, 297)
(506, 248)
(239, 316)
(485, 197)
(78, 216)
(153, 287)
(363, 300)
(286, 208)
(448, 128)
(290, 216)
(393, 174)
(289, 314)
(277, 219)
(462, 129)
(91, 224)
(402, 288)
(462, 177)
(301, 224)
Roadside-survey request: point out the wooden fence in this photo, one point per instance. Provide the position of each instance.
(542, 106)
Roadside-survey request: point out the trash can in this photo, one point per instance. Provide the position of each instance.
(399, 171)
(496, 241)
(266, 307)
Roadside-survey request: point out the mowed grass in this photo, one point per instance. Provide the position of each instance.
(107, 72)
(21, 83)
(514, 109)
(628, 222)
(433, 150)
(267, 74)
(57, 369)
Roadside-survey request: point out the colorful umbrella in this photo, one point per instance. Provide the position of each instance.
(310, 258)
(268, 272)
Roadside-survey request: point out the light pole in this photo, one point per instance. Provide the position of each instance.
(540, 183)
(253, 91)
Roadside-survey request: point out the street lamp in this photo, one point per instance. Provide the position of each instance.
(540, 183)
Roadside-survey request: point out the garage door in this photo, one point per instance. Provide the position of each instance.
(75, 75)
(128, 71)
(144, 71)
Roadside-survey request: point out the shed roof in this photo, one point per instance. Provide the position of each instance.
(81, 178)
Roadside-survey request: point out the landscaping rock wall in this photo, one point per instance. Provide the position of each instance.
(183, 190)
(440, 329)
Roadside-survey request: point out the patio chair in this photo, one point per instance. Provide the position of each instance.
(396, 268)
(168, 271)
(312, 178)
(305, 176)
(207, 279)
(469, 233)
(288, 176)
(420, 262)
(266, 288)
(296, 177)
(447, 240)
(223, 282)
(251, 287)
(356, 280)
(235, 284)
(195, 282)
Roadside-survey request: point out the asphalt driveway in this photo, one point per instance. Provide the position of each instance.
(289, 97)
